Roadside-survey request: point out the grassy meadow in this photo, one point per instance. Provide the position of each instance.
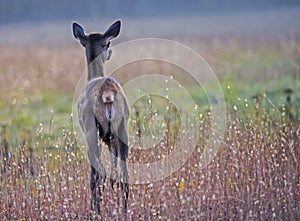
(44, 174)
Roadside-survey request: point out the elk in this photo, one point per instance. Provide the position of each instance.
(103, 114)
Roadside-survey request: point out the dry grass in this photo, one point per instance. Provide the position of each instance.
(39, 68)
(255, 175)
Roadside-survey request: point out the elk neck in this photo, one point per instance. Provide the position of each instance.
(95, 67)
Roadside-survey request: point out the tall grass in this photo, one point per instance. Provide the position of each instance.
(44, 174)
(254, 176)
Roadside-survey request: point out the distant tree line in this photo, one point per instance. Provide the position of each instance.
(39, 10)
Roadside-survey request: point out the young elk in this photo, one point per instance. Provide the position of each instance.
(103, 110)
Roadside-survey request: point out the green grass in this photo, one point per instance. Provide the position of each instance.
(255, 175)
(23, 113)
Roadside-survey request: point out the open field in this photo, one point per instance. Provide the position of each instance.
(255, 175)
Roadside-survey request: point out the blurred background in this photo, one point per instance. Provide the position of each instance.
(253, 47)
(49, 21)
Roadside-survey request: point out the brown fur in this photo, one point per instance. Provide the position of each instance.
(109, 85)
(99, 94)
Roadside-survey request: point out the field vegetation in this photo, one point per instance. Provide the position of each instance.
(44, 174)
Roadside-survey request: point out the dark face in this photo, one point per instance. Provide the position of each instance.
(97, 46)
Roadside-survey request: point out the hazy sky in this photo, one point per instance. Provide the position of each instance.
(37, 10)
(38, 21)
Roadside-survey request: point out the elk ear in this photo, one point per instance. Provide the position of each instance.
(113, 31)
(79, 34)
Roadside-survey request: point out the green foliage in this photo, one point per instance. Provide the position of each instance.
(22, 113)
